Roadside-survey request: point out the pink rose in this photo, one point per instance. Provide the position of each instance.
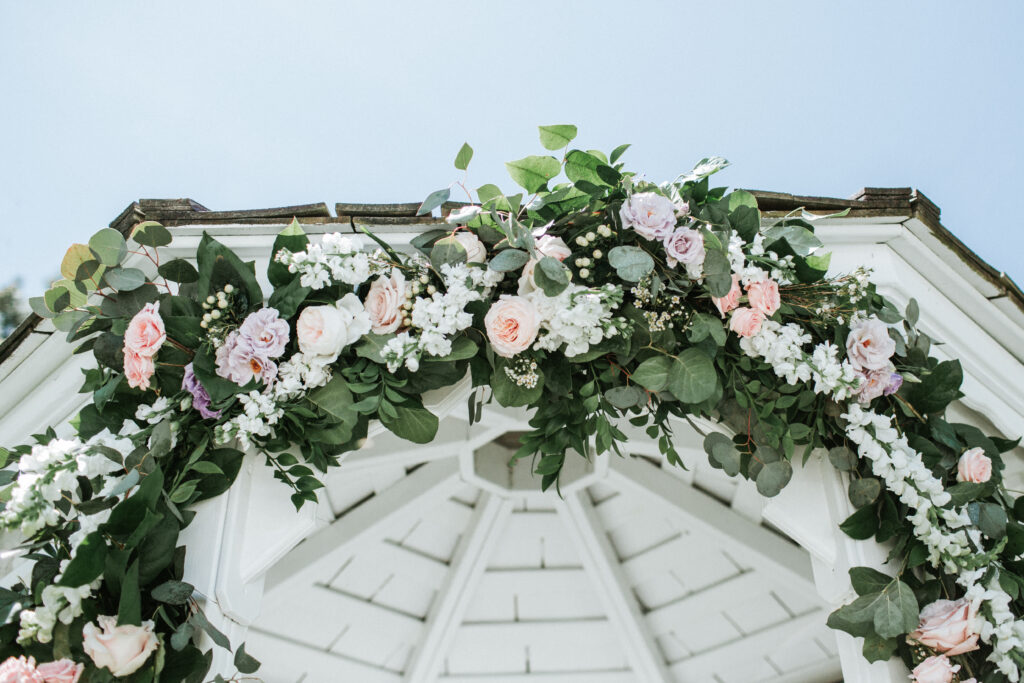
(948, 626)
(20, 670)
(238, 361)
(726, 303)
(974, 466)
(122, 649)
(546, 245)
(746, 321)
(61, 671)
(512, 325)
(145, 333)
(650, 214)
(764, 296)
(138, 369)
(934, 670)
(869, 346)
(384, 302)
(686, 246)
(476, 252)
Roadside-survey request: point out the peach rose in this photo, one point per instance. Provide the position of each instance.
(145, 333)
(948, 626)
(547, 245)
(746, 321)
(512, 325)
(764, 296)
(476, 252)
(934, 670)
(384, 302)
(974, 466)
(869, 346)
(138, 369)
(61, 671)
(122, 649)
(726, 303)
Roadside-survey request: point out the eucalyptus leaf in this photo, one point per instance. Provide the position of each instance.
(692, 376)
(508, 260)
(773, 477)
(464, 156)
(151, 234)
(557, 137)
(434, 200)
(124, 279)
(653, 373)
(631, 264)
(532, 173)
(108, 246)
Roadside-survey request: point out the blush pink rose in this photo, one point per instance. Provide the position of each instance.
(122, 649)
(512, 325)
(20, 670)
(746, 322)
(61, 671)
(685, 246)
(948, 626)
(764, 296)
(974, 466)
(546, 245)
(145, 334)
(726, 303)
(650, 214)
(384, 302)
(934, 670)
(138, 369)
(869, 346)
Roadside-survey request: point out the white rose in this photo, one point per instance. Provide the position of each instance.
(325, 330)
(122, 649)
(869, 346)
(547, 245)
(476, 252)
(384, 302)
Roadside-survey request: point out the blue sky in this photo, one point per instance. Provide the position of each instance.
(255, 104)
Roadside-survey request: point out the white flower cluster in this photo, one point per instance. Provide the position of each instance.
(781, 346)
(437, 318)
(48, 474)
(578, 317)
(154, 412)
(338, 258)
(60, 603)
(996, 625)
(261, 411)
(751, 273)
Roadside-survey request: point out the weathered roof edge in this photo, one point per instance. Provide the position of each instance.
(868, 202)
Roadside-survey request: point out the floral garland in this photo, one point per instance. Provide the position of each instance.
(638, 301)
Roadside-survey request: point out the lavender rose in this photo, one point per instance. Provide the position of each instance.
(267, 333)
(685, 246)
(238, 361)
(650, 214)
(200, 397)
(869, 346)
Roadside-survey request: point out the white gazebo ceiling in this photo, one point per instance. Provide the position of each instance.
(477, 583)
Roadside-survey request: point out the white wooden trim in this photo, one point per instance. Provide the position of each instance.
(453, 598)
(408, 499)
(702, 513)
(621, 604)
(566, 677)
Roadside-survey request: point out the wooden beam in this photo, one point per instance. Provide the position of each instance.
(702, 513)
(452, 600)
(407, 500)
(718, 598)
(289, 660)
(621, 604)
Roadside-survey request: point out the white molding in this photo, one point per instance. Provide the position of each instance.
(459, 587)
(613, 588)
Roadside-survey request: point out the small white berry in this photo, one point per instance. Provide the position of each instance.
(203, 324)
(229, 288)
(223, 303)
(584, 273)
(424, 279)
(598, 253)
(211, 300)
(431, 289)
(591, 236)
(581, 240)
(215, 314)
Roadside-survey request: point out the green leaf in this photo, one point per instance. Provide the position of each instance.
(879, 649)
(219, 266)
(151, 234)
(88, 562)
(57, 298)
(199, 619)
(703, 325)
(372, 345)
(508, 393)
(630, 263)
(989, 517)
(857, 618)
(557, 137)
(717, 272)
(434, 200)
(508, 260)
(722, 452)
(335, 399)
(108, 246)
(864, 491)
(653, 373)
(581, 167)
(244, 662)
(866, 580)
(412, 423)
(692, 376)
(447, 250)
(173, 592)
(897, 611)
(74, 258)
(626, 396)
(124, 279)
(800, 240)
(551, 276)
(862, 524)
(180, 271)
(773, 477)
(843, 459)
(464, 156)
(293, 238)
(462, 348)
(618, 152)
(129, 607)
(488, 192)
(532, 173)
(288, 298)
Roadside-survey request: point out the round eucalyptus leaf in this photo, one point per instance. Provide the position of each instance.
(631, 263)
(108, 246)
(626, 396)
(692, 376)
(773, 477)
(151, 234)
(125, 279)
(843, 459)
(864, 491)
